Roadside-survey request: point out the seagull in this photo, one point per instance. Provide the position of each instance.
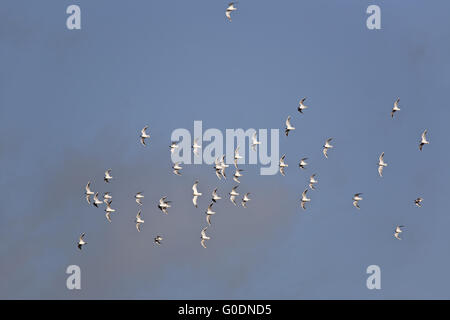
(173, 146)
(233, 195)
(423, 140)
(176, 168)
(282, 164)
(418, 202)
(230, 9)
(144, 135)
(96, 200)
(218, 168)
(237, 156)
(381, 164)
(215, 196)
(195, 193)
(237, 174)
(255, 141)
(163, 205)
(107, 197)
(204, 237)
(395, 108)
(223, 166)
(209, 213)
(196, 147)
(139, 196)
(88, 192)
(107, 175)
(245, 200)
(304, 199)
(158, 240)
(397, 232)
(303, 163)
(81, 241)
(289, 127)
(301, 106)
(326, 147)
(108, 211)
(312, 182)
(357, 197)
(139, 221)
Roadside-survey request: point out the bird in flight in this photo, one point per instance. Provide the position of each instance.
(255, 141)
(109, 210)
(397, 232)
(289, 126)
(81, 241)
(305, 199)
(107, 176)
(209, 212)
(237, 175)
(204, 237)
(245, 200)
(195, 193)
(97, 201)
(176, 168)
(196, 147)
(312, 182)
(215, 196)
(356, 198)
(233, 195)
(229, 10)
(158, 240)
(163, 204)
(144, 135)
(381, 164)
(173, 146)
(327, 146)
(303, 163)
(418, 202)
(139, 221)
(107, 197)
(395, 108)
(423, 140)
(301, 106)
(88, 192)
(138, 197)
(282, 165)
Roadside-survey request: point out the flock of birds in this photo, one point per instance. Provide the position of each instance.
(220, 166)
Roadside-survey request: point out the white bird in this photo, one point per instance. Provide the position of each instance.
(301, 106)
(381, 164)
(327, 146)
(215, 196)
(195, 193)
(303, 163)
(356, 198)
(176, 168)
(204, 237)
(237, 175)
(230, 9)
(218, 168)
(108, 211)
(139, 221)
(397, 232)
(395, 108)
(245, 200)
(289, 127)
(304, 199)
(196, 147)
(97, 201)
(237, 156)
(255, 141)
(163, 205)
(282, 165)
(107, 175)
(423, 140)
(418, 202)
(81, 241)
(173, 146)
(158, 240)
(233, 194)
(144, 135)
(107, 197)
(88, 192)
(223, 166)
(312, 182)
(209, 212)
(138, 197)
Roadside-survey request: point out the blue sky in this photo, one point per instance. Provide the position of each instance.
(72, 104)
